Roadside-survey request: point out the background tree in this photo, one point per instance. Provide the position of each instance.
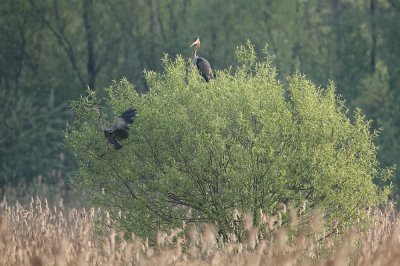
(31, 139)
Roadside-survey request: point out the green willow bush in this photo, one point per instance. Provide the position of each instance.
(243, 141)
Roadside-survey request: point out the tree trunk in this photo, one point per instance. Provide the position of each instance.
(335, 43)
(372, 9)
(91, 60)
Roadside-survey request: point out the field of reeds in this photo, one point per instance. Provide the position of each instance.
(39, 234)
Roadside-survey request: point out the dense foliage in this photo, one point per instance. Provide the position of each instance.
(244, 141)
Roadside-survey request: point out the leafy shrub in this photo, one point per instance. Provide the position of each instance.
(244, 141)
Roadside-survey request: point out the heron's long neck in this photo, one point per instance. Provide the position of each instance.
(194, 52)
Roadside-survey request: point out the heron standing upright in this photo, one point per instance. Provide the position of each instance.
(202, 64)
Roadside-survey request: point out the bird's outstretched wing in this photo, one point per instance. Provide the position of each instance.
(129, 115)
(119, 130)
(121, 126)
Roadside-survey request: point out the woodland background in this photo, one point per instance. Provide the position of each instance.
(52, 50)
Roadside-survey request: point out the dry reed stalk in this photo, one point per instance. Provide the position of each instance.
(40, 234)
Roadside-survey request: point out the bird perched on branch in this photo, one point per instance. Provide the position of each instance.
(118, 130)
(202, 64)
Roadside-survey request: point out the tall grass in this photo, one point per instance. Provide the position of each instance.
(39, 234)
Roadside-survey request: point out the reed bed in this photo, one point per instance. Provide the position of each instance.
(39, 234)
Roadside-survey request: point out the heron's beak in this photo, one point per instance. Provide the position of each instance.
(195, 42)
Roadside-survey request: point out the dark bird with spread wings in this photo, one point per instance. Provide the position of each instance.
(202, 64)
(118, 130)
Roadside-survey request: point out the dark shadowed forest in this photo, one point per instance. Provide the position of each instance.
(51, 51)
